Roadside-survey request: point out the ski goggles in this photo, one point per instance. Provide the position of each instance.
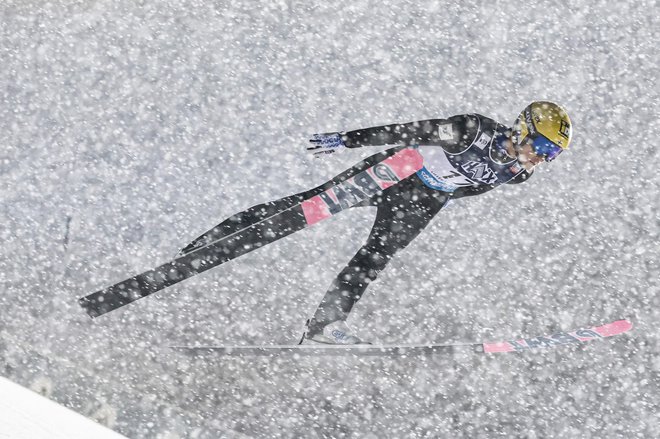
(544, 147)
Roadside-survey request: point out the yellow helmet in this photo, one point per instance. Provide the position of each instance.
(546, 125)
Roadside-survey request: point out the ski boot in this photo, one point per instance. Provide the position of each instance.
(333, 333)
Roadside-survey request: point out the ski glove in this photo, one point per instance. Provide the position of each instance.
(325, 143)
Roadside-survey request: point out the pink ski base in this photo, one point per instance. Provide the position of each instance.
(403, 164)
(561, 338)
(614, 328)
(315, 210)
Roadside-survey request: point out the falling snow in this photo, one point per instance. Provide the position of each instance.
(128, 128)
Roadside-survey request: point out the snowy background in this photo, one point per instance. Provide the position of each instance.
(127, 128)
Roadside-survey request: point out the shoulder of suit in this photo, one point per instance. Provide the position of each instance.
(466, 128)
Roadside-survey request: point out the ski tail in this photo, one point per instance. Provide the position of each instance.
(197, 261)
(328, 350)
(263, 225)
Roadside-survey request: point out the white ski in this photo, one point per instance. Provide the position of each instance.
(578, 336)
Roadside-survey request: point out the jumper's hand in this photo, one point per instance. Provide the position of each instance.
(325, 143)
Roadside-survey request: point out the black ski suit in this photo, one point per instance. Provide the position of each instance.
(463, 156)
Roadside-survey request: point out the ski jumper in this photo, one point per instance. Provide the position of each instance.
(463, 156)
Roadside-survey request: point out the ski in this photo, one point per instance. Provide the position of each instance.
(579, 336)
(292, 214)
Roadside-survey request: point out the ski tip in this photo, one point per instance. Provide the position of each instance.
(560, 338)
(615, 328)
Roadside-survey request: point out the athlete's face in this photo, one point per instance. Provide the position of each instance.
(527, 156)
